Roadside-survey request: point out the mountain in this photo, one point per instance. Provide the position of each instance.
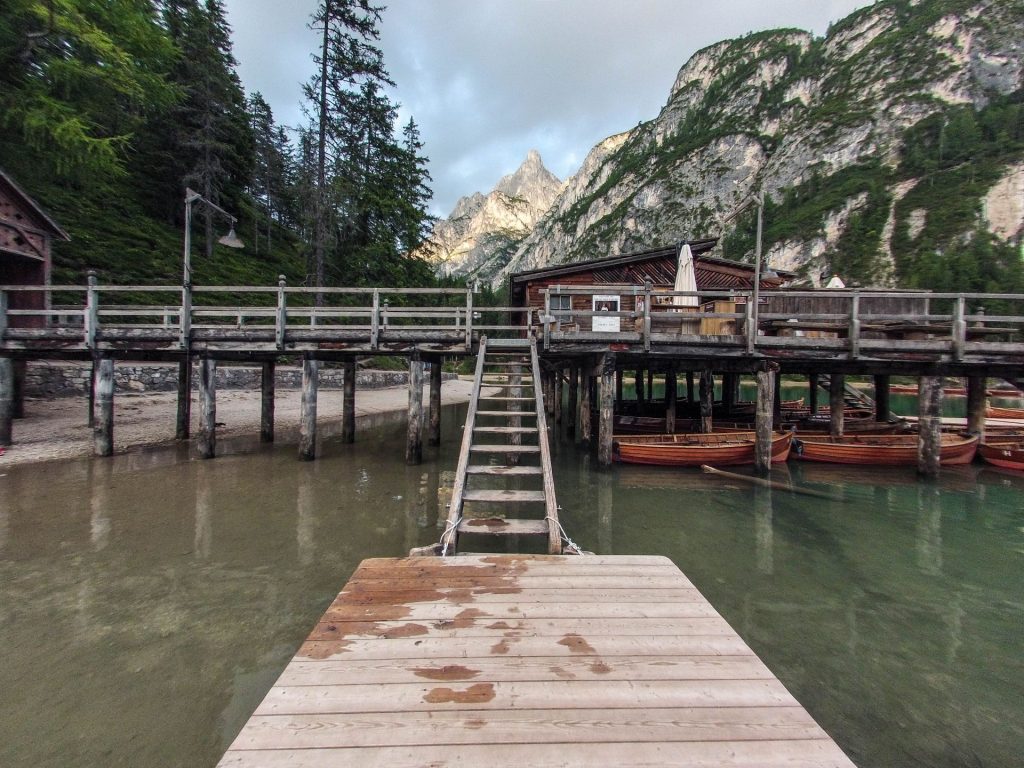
(891, 151)
(482, 231)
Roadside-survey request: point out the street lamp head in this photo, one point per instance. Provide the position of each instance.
(231, 240)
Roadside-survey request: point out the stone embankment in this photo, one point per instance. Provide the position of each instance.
(58, 379)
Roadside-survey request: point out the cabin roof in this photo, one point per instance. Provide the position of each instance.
(712, 273)
(30, 205)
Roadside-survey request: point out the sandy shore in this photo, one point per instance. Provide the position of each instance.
(57, 428)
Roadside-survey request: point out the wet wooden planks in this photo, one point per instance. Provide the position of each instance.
(519, 660)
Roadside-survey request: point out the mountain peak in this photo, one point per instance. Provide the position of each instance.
(529, 180)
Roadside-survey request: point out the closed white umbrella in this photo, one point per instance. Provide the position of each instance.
(686, 280)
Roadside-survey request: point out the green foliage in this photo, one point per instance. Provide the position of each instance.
(76, 79)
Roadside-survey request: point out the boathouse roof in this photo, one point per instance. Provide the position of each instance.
(656, 264)
(19, 211)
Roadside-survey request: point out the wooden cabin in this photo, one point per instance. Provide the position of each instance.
(26, 236)
(657, 265)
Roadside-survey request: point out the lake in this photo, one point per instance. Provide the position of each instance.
(147, 602)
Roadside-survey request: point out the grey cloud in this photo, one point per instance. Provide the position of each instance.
(487, 80)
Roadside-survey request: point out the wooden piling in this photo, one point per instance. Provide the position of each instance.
(586, 405)
(836, 403)
(90, 395)
(103, 428)
(777, 400)
(638, 385)
(689, 387)
(670, 401)
(572, 407)
(707, 400)
(267, 370)
(414, 436)
(929, 425)
(307, 408)
(348, 406)
(434, 422)
(606, 422)
(812, 393)
(729, 387)
(650, 384)
(763, 421)
(20, 371)
(184, 420)
(6, 400)
(206, 445)
(618, 388)
(976, 396)
(883, 411)
(558, 395)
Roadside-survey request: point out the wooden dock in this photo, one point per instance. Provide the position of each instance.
(527, 660)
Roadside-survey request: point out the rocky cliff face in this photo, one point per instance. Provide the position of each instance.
(885, 150)
(482, 231)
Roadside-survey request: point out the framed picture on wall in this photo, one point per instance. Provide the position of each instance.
(606, 304)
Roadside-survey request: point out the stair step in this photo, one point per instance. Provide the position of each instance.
(493, 345)
(506, 377)
(505, 448)
(510, 364)
(508, 399)
(506, 430)
(499, 526)
(506, 413)
(502, 495)
(502, 469)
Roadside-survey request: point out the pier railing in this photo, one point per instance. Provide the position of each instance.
(862, 324)
(849, 324)
(97, 317)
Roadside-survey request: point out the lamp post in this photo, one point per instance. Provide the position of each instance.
(231, 240)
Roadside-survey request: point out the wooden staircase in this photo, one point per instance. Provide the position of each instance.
(503, 483)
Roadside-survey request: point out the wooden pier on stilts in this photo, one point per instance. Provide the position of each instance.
(527, 660)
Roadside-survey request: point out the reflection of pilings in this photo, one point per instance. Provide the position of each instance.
(99, 504)
(955, 622)
(764, 535)
(305, 517)
(203, 540)
(605, 499)
(929, 530)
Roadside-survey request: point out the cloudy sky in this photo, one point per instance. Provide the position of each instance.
(487, 80)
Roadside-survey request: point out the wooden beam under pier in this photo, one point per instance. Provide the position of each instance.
(836, 403)
(206, 445)
(267, 391)
(6, 401)
(414, 432)
(348, 405)
(606, 422)
(434, 421)
(763, 421)
(307, 408)
(929, 425)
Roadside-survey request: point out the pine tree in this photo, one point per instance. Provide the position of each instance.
(345, 61)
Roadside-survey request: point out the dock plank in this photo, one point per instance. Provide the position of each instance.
(527, 661)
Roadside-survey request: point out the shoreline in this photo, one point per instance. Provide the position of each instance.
(56, 429)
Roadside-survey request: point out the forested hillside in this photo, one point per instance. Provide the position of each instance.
(110, 108)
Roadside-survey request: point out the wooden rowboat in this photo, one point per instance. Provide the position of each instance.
(1008, 454)
(692, 450)
(882, 450)
(995, 412)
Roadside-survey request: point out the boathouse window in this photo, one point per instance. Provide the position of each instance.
(561, 303)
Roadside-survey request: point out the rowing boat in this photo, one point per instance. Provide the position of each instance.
(997, 412)
(692, 450)
(1001, 452)
(882, 450)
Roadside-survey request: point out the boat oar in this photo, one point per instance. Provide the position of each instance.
(771, 484)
